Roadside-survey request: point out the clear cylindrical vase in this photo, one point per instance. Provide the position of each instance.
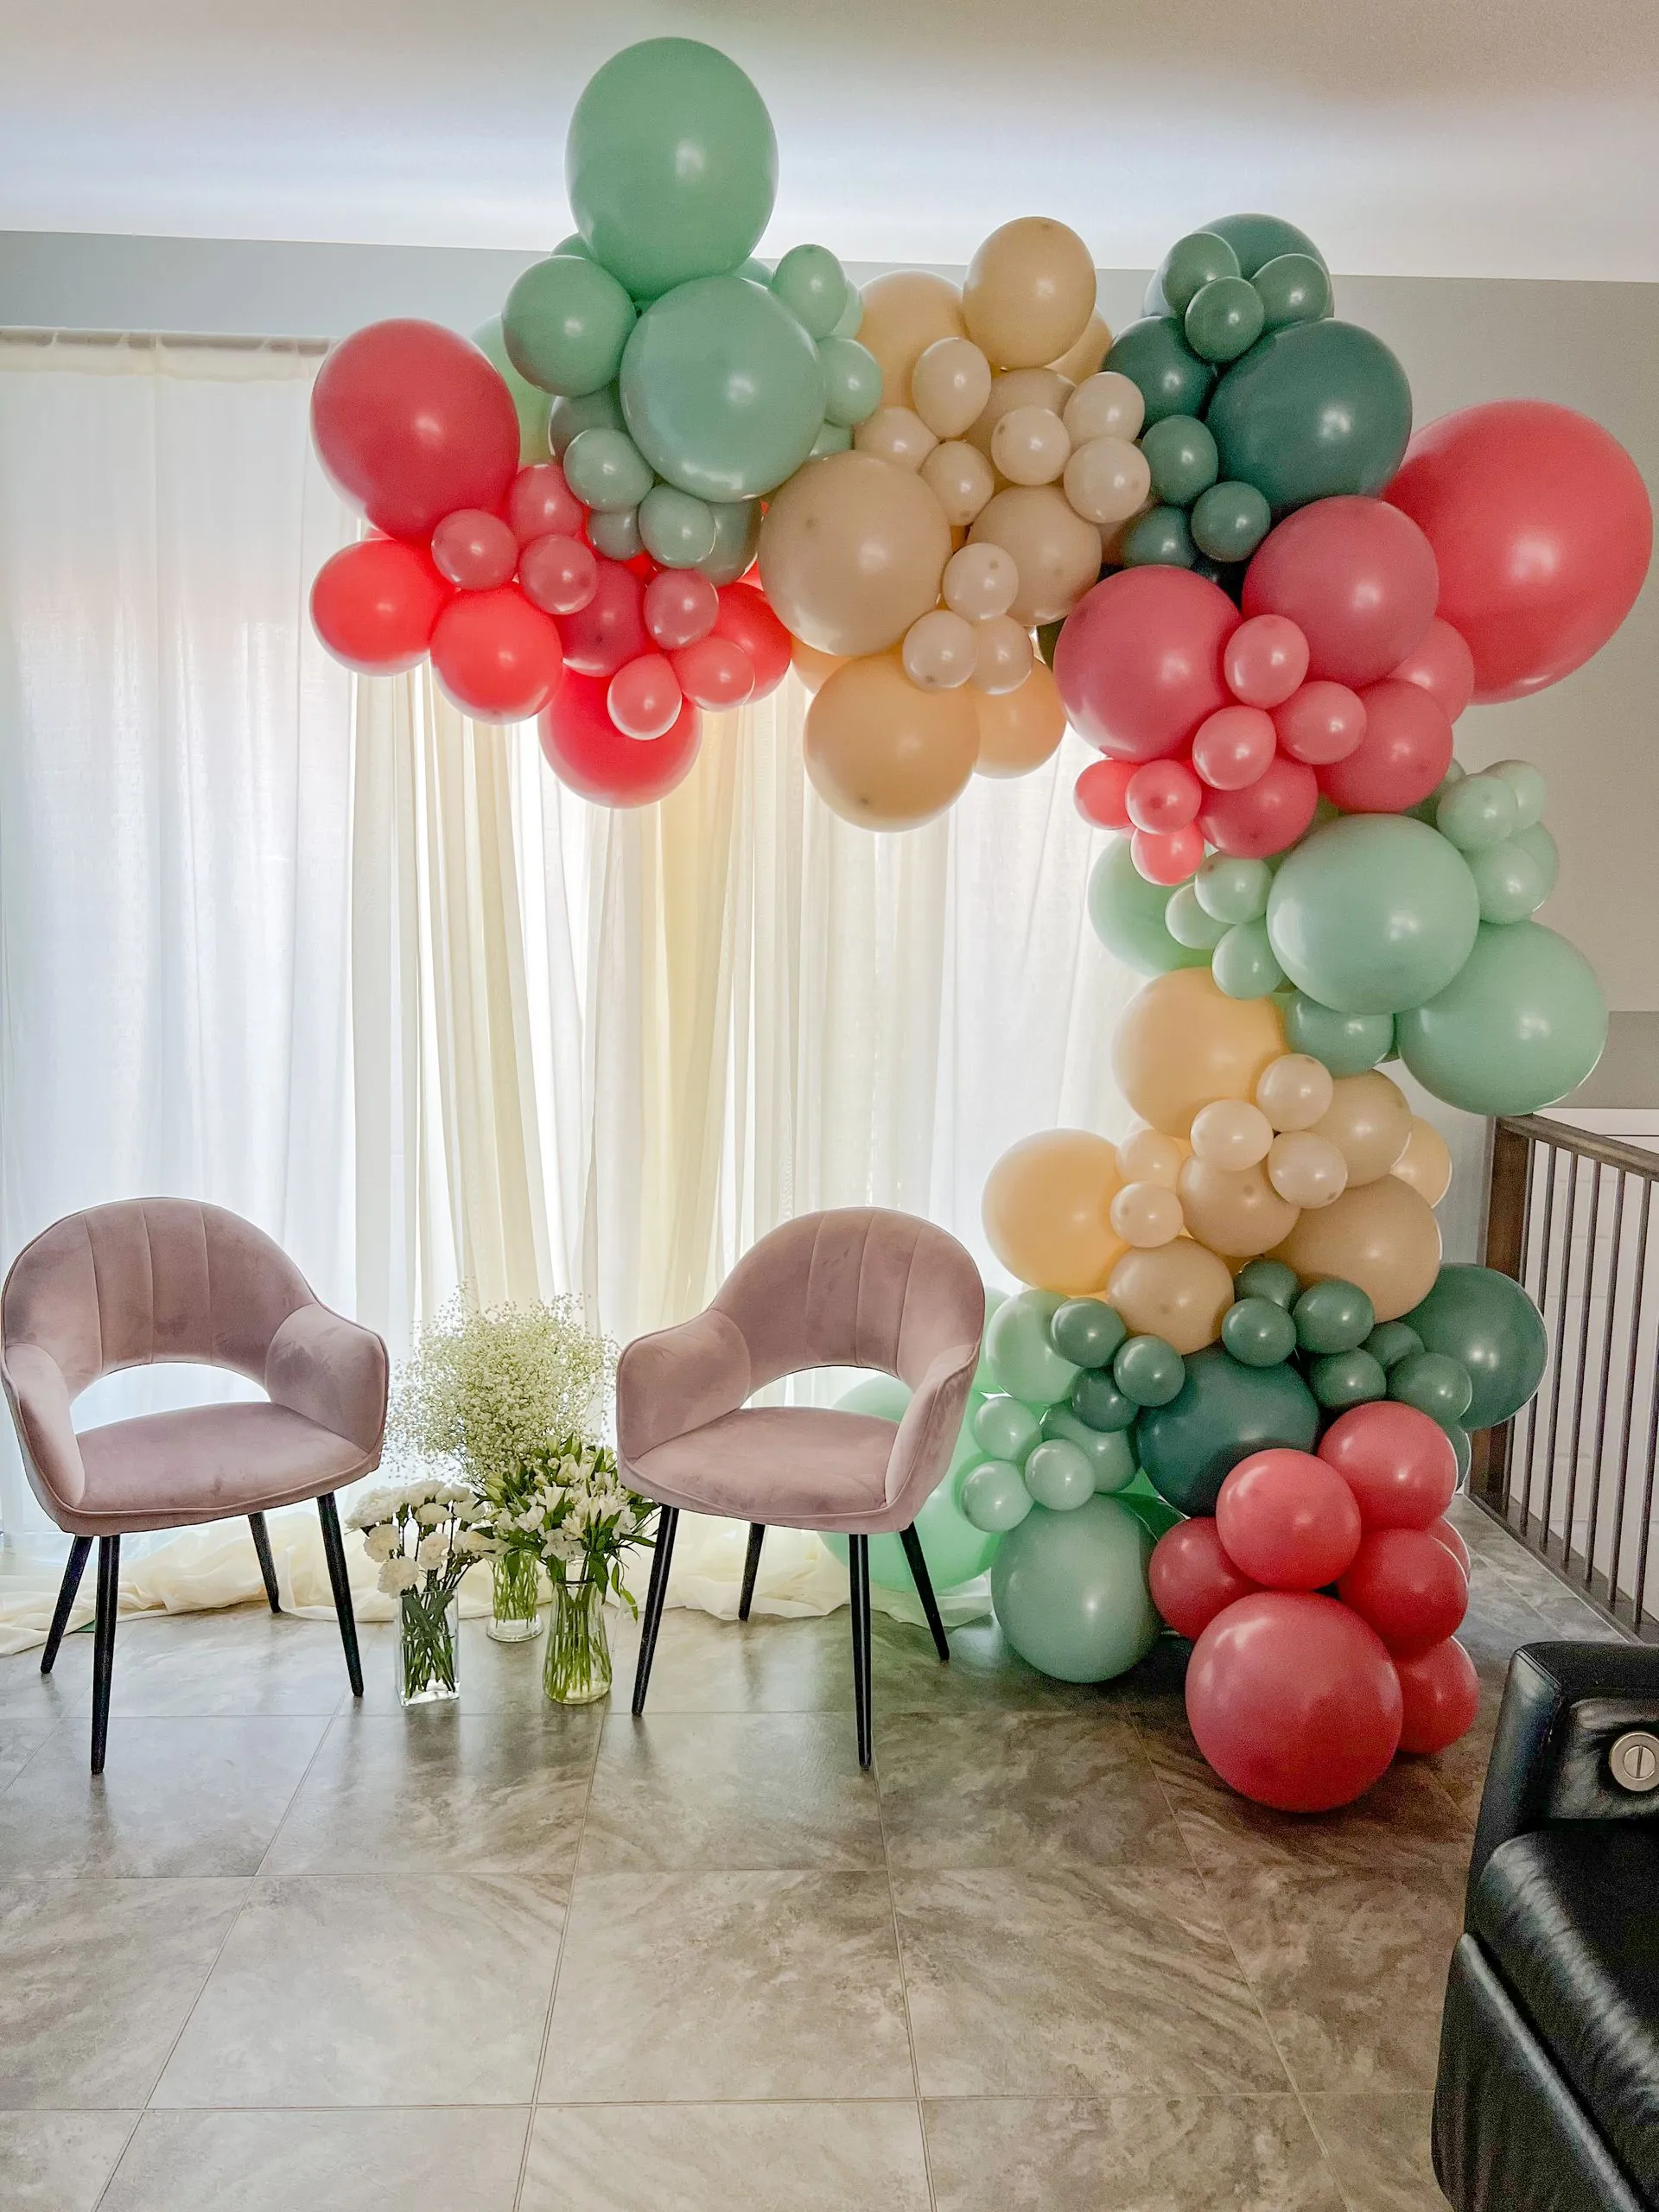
(428, 1647)
(576, 1670)
(515, 1595)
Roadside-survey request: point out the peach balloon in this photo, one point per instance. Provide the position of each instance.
(1107, 405)
(980, 581)
(1294, 1091)
(1107, 480)
(1179, 1292)
(1368, 1120)
(1381, 1235)
(883, 753)
(1084, 358)
(1148, 1156)
(940, 651)
(1018, 730)
(949, 385)
(1308, 1170)
(1233, 1210)
(1182, 1042)
(895, 434)
(1002, 655)
(1046, 1207)
(813, 667)
(1426, 1163)
(960, 479)
(1145, 1215)
(1056, 552)
(1029, 446)
(852, 550)
(1230, 1133)
(905, 313)
(1029, 293)
(1019, 388)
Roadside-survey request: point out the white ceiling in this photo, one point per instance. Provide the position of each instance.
(1484, 137)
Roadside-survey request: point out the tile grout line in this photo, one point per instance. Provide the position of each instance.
(904, 1982)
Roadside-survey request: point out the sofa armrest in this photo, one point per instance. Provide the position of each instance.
(39, 1402)
(677, 1379)
(332, 1370)
(927, 1434)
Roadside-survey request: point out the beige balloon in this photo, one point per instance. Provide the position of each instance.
(940, 651)
(1107, 406)
(949, 385)
(1182, 1042)
(1029, 294)
(980, 581)
(1019, 388)
(1230, 1132)
(1029, 446)
(1235, 1211)
(895, 434)
(1380, 1235)
(905, 313)
(814, 667)
(1308, 1170)
(1296, 1092)
(1368, 1120)
(1057, 553)
(1084, 358)
(852, 551)
(884, 753)
(1145, 1215)
(1020, 729)
(1002, 655)
(1179, 1292)
(1107, 480)
(960, 479)
(1148, 1156)
(1426, 1163)
(1046, 1211)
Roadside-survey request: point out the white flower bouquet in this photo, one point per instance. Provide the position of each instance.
(423, 1536)
(582, 1520)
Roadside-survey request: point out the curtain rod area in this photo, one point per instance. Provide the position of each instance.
(14, 334)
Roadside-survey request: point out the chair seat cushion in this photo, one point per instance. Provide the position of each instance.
(794, 1465)
(206, 1463)
(1569, 1916)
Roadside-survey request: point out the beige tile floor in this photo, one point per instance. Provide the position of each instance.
(295, 1955)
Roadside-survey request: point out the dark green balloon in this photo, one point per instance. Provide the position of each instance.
(1155, 357)
(1222, 1413)
(1149, 1508)
(1313, 410)
(1347, 1378)
(1097, 1400)
(1333, 1316)
(1190, 263)
(1462, 1445)
(1258, 1332)
(1048, 636)
(1229, 576)
(1391, 1341)
(1259, 238)
(1229, 521)
(1181, 454)
(1148, 1370)
(1269, 1279)
(1127, 916)
(1159, 540)
(1436, 1386)
(1087, 1332)
(1224, 320)
(1347, 1044)
(1293, 288)
(1487, 1323)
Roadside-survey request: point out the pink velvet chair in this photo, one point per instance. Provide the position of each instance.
(169, 1279)
(857, 1288)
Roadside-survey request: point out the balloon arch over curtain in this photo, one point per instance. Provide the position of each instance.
(1236, 1392)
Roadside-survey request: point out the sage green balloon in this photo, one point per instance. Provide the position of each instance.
(1312, 411)
(1257, 239)
(671, 163)
(1108, 1452)
(1373, 913)
(852, 381)
(1242, 962)
(1222, 1412)
(1270, 1279)
(1347, 1044)
(1023, 1360)
(851, 320)
(1509, 882)
(833, 437)
(1293, 288)
(676, 529)
(565, 324)
(1059, 1475)
(1006, 1429)
(1229, 521)
(1528, 784)
(1128, 915)
(1479, 812)
(1070, 1591)
(1537, 840)
(607, 471)
(1200, 258)
(984, 1382)
(575, 244)
(1157, 360)
(530, 403)
(1486, 1322)
(1161, 539)
(1390, 1342)
(615, 536)
(954, 1549)
(1347, 1378)
(812, 285)
(1181, 454)
(1098, 1404)
(1233, 890)
(1148, 1370)
(994, 1497)
(722, 389)
(1087, 1332)
(1258, 1332)
(1523, 1023)
(1141, 1499)
(1439, 1386)
(568, 418)
(1223, 320)
(737, 534)
(1332, 1315)
(1187, 922)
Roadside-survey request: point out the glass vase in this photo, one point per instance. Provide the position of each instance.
(515, 1595)
(576, 1670)
(428, 1647)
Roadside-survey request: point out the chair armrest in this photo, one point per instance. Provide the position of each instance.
(677, 1379)
(333, 1372)
(1565, 1704)
(927, 1434)
(39, 1398)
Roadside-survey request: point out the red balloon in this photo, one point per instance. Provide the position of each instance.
(748, 621)
(1542, 527)
(1358, 578)
(374, 605)
(1139, 660)
(645, 697)
(1399, 1464)
(611, 628)
(558, 574)
(1264, 817)
(680, 606)
(1444, 1532)
(1440, 1692)
(540, 504)
(1321, 723)
(1163, 795)
(1403, 755)
(1101, 792)
(1234, 746)
(1293, 1701)
(586, 750)
(497, 657)
(1443, 665)
(716, 673)
(475, 550)
(1407, 1585)
(1191, 1576)
(1166, 856)
(1287, 1519)
(1265, 660)
(410, 422)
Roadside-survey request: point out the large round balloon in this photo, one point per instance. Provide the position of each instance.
(904, 313)
(1520, 1024)
(1224, 1412)
(1139, 663)
(1542, 529)
(1182, 1042)
(586, 750)
(1399, 1464)
(852, 552)
(375, 604)
(1358, 580)
(883, 753)
(1380, 1236)
(1486, 1322)
(671, 163)
(1313, 410)
(1070, 1591)
(1441, 1694)
(1373, 913)
(1128, 913)
(1046, 1207)
(1177, 1292)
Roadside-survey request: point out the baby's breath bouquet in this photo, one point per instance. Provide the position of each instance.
(424, 1536)
(582, 1518)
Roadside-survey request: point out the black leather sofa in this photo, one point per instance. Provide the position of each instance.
(1547, 2099)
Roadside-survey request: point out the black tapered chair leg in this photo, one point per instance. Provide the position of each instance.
(72, 1574)
(858, 1568)
(923, 1581)
(339, 1582)
(661, 1558)
(267, 1563)
(108, 1586)
(751, 1567)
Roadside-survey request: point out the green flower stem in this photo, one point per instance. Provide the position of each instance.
(577, 1667)
(428, 1643)
(516, 1587)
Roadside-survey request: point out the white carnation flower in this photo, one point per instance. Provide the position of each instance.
(380, 1542)
(433, 1552)
(397, 1575)
(428, 1516)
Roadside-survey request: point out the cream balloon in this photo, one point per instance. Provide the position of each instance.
(1018, 730)
(1368, 1120)
(1381, 1235)
(1029, 445)
(1029, 293)
(1019, 388)
(1057, 553)
(1105, 406)
(1294, 1091)
(905, 313)
(1085, 357)
(1235, 1211)
(960, 479)
(895, 434)
(1308, 1170)
(940, 651)
(815, 669)
(1179, 1292)
(1426, 1163)
(1046, 1208)
(980, 581)
(949, 385)
(1230, 1133)
(1002, 655)
(1145, 1215)
(884, 753)
(1107, 480)
(852, 552)
(1182, 1042)
(1148, 1156)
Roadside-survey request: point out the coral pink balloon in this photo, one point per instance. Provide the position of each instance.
(1439, 1693)
(645, 698)
(611, 628)
(1265, 661)
(1264, 817)
(1288, 1520)
(1403, 755)
(1163, 795)
(748, 621)
(680, 606)
(475, 550)
(1101, 793)
(1399, 1464)
(716, 673)
(585, 749)
(1293, 1701)
(1167, 857)
(1138, 662)
(1405, 1584)
(1321, 723)
(540, 504)
(1191, 1576)
(1358, 578)
(1542, 530)
(1233, 747)
(497, 657)
(374, 605)
(1443, 665)
(1444, 1532)
(559, 575)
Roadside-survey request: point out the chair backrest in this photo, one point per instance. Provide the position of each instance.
(147, 1280)
(857, 1287)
